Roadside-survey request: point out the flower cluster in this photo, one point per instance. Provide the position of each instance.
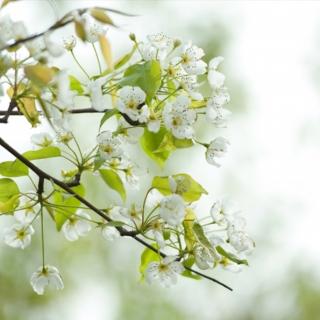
(154, 95)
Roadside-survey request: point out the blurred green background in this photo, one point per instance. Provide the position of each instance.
(272, 67)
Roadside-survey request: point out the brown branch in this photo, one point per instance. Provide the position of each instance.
(6, 114)
(123, 232)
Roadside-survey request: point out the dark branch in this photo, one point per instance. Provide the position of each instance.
(6, 114)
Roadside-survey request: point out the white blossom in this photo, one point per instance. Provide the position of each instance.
(110, 233)
(98, 100)
(109, 146)
(216, 79)
(131, 102)
(241, 242)
(191, 59)
(222, 212)
(44, 277)
(65, 95)
(157, 232)
(178, 118)
(166, 271)
(36, 48)
(42, 139)
(133, 213)
(148, 51)
(94, 31)
(18, 236)
(128, 133)
(6, 27)
(69, 42)
(76, 226)
(55, 49)
(172, 209)
(27, 211)
(216, 149)
(203, 258)
(161, 41)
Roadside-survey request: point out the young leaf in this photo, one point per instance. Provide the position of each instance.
(112, 179)
(123, 60)
(188, 223)
(198, 231)
(150, 142)
(39, 74)
(187, 187)
(231, 256)
(105, 47)
(9, 195)
(75, 85)
(101, 16)
(44, 153)
(147, 256)
(187, 273)
(68, 204)
(80, 30)
(107, 115)
(147, 76)
(13, 169)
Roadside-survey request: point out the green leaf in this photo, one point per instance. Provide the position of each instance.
(75, 85)
(107, 115)
(13, 169)
(231, 256)
(147, 256)
(150, 143)
(44, 153)
(187, 273)
(112, 179)
(147, 76)
(188, 223)
(115, 224)
(9, 195)
(124, 59)
(198, 231)
(68, 204)
(182, 143)
(187, 187)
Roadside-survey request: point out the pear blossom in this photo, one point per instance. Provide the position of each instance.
(110, 233)
(6, 27)
(133, 213)
(69, 42)
(161, 41)
(190, 59)
(131, 102)
(109, 146)
(172, 209)
(153, 123)
(216, 79)
(42, 139)
(65, 95)
(216, 149)
(241, 242)
(203, 258)
(76, 226)
(157, 232)
(222, 212)
(94, 31)
(148, 51)
(6, 63)
(36, 48)
(44, 277)
(178, 118)
(98, 100)
(27, 212)
(166, 271)
(54, 49)
(128, 133)
(18, 236)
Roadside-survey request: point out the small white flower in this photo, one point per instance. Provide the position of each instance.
(241, 242)
(19, 30)
(147, 51)
(42, 140)
(6, 27)
(98, 100)
(109, 146)
(18, 236)
(179, 118)
(222, 212)
(154, 124)
(76, 226)
(65, 95)
(131, 101)
(166, 271)
(215, 78)
(217, 149)
(69, 42)
(110, 233)
(172, 209)
(215, 112)
(203, 258)
(128, 133)
(27, 211)
(36, 48)
(132, 174)
(161, 41)
(157, 232)
(46, 276)
(191, 60)
(55, 49)
(94, 31)
(134, 214)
